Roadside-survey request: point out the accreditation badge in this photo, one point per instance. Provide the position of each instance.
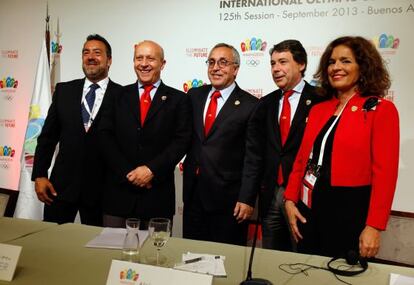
(309, 181)
(86, 127)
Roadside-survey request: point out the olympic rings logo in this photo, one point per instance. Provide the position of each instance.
(252, 62)
(4, 166)
(8, 97)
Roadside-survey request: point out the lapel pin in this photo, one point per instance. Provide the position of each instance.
(163, 98)
(308, 102)
(354, 108)
(237, 102)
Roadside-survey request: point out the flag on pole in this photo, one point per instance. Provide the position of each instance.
(28, 206)
(55, 59)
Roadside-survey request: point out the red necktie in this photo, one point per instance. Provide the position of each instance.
(284, 123)
(145, 102)
(211, 112)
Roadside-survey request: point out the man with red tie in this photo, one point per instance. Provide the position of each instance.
(281, 117)
(219, 183)
(144, 135)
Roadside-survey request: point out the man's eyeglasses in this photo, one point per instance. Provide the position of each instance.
(221, 62)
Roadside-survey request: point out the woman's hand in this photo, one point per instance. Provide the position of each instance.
(369, 242)
(293, 216)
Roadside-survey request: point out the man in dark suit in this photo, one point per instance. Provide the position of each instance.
(219, 182)
(72, 121)
(144, 135)
(281, 119)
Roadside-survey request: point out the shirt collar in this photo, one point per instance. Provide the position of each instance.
(299, 87)
(225, 93)
(102, 83)
(156, 84)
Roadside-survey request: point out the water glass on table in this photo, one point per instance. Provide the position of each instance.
(130, 249)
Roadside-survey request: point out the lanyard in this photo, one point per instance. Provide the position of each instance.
(86, 105)
(92, 113)
(325, 137)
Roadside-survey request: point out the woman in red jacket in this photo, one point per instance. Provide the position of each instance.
(343, 181)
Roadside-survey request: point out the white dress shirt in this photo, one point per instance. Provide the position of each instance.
(293, 100)
(225, 94)
(99, 92)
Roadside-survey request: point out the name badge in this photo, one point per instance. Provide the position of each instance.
(310, 178)
(309, 181)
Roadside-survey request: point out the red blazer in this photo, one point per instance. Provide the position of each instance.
(365, 152)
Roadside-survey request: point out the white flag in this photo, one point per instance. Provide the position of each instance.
(28, 206)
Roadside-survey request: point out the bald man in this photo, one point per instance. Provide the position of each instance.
(144, 135)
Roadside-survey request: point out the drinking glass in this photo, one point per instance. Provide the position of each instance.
(130, 249)
(159, 230)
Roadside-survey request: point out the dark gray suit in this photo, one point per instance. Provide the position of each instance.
(216, 174)
(275, 228)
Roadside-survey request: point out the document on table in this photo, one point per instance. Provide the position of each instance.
(113, 238)
(398, 279)
(203, 263)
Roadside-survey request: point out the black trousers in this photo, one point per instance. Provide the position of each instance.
(65, 212)
(275, 227)
(222, 226)
(120, 222)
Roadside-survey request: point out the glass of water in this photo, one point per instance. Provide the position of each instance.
(130, 249)
(159, 231)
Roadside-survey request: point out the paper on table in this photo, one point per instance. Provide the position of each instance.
(113, 238)
(209, 264)
(397, 279)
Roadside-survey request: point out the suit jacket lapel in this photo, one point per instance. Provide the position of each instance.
(98, 115)
(78, 92)
(132, 100)
(227, 109)
(274, 119)
(301, 111)
(160, 97)
(200, 101)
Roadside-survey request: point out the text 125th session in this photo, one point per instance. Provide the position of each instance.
(316, 13)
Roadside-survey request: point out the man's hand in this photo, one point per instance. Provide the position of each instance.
(43, 189)
(293, 216)
(141, 176)
(242, 211)
(369, 242)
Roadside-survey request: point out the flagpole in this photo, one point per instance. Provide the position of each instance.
(58, 34)
(55, 59)
(47, 33)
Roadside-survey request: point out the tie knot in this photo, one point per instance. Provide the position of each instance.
(94, 86)
(288, 93)
(148, 88)
(216, 94)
